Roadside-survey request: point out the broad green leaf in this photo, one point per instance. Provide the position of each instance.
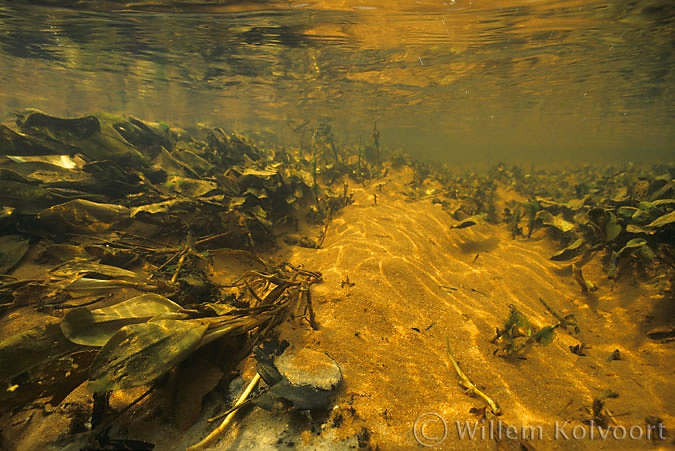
(95, 327)
(13, 143)
(642, 216)
(632, 228)
(620, 195)
(605, 223)
(140, 353)
(27, 198)
(256, 193)
(12, 250)
(84, 216)
(260, 214)
(153, 209)
(190, 187)
(546, 335)
(258, 173)
(612, 229)
(634, 243)
(85, 285)
(237, 202)
(555, 221)
(86, 267)
(626, 212)
(471, 221)
(570, 251)
(663, 202)
(59, 129)
(575, 204)
(661, 221)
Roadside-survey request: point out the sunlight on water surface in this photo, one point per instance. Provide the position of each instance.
(459, 81)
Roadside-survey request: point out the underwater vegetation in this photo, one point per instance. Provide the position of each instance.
(624, 216)
(127, 223)
(141, 253)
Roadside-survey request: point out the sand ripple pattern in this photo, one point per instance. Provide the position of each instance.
(417, 280)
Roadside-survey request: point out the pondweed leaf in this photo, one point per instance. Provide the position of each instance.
(140, 353)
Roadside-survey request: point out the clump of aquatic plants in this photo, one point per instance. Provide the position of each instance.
(597, 414)
(628, 216)
(138, 341)
(625, 215)
(128, 220)
(518, 334)
(134, 225)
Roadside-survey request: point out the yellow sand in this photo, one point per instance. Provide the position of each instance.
(410, 269)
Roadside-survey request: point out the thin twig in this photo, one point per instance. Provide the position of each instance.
(179, 265)
(219, 430)
(309, 308)
(466, 383)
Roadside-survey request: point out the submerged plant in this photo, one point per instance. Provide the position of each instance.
(470, 387)
(519, 334)
(598, 414)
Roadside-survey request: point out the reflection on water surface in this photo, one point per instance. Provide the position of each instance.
(456, 80)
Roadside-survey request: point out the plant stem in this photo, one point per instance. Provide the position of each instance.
(466, 383)
(228, 419)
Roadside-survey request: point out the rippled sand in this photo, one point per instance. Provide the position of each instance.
(417, 281)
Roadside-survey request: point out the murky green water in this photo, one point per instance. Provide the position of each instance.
(460, 81)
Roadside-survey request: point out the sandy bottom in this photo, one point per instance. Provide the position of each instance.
(398, 280)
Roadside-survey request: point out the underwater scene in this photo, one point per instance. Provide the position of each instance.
(337, 225)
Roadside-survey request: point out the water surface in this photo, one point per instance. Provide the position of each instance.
(458, 81)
